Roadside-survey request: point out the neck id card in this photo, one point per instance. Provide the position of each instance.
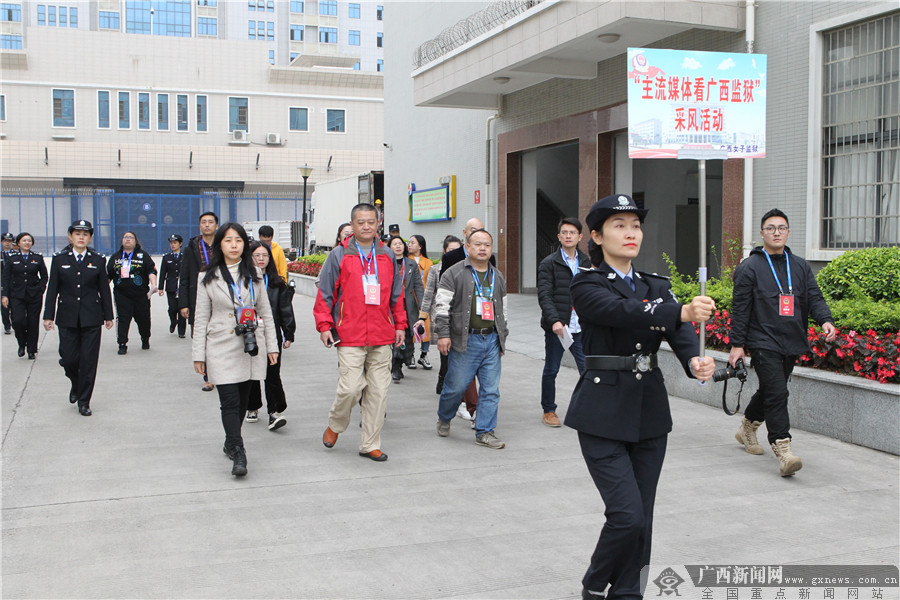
(786, 305)
(487, 309)
(247, 314)
(371, 289)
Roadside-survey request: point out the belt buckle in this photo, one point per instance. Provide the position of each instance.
(641, 363)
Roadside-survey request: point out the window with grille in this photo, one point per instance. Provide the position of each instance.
(861, 135)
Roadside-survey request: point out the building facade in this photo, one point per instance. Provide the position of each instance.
(533, 97)
(100, 119)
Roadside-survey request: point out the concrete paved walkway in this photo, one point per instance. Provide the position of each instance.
(138, 500)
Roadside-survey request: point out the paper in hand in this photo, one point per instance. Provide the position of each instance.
(566, 338)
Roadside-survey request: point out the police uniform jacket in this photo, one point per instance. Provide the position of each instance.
(616, 321)
(23, 278)
(168, 271)
(78, 294)
(142, 266)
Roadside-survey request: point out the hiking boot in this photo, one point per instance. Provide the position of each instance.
(746, 435)
(237, 454)
(789, 462)
(443, 428)
(551, 420)
(490, 440)
(426, 364)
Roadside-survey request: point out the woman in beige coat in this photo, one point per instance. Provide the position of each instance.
(234, 334)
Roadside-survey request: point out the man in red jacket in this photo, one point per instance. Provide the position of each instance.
(359, 308)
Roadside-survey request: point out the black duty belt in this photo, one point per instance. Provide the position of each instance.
(637, 363)
(484, 331)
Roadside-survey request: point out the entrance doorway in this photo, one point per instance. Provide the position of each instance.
(549, 192)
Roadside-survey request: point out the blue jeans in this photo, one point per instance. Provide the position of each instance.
(553, 353)
(481, 358)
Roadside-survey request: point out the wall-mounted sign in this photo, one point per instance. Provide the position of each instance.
(434, 204)
(477, 196)
(681, 100)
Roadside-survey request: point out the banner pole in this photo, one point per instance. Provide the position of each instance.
(702, 269)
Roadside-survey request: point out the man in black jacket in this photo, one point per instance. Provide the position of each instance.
(775, 292)
(195, 259)
(558, 318)
(79, 283)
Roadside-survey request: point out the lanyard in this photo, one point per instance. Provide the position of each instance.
(402, 274)
(787, 260)
(126, 260)
(573, 266)
(205, 255)
(478, 286)
(266, 279)
(368, 262)
(237, 292)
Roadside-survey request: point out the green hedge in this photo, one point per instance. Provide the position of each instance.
(720, 289)
(870, 274)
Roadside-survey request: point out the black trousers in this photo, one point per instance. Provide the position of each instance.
(770, 401)
(128, 307)
(79, 350)
(175, 317)
(26, 321)
(626, 474)
(275, 398)
(7, 324)
(233, 400)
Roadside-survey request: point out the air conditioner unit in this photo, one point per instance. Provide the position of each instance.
(239, 135)
(273, 139)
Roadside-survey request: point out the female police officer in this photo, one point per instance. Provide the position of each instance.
(133, 274)
(24, 278)
(620, 406)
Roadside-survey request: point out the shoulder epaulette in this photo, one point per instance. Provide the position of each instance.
(657, 275)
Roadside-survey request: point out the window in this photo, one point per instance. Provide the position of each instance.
(181, 112)
(251, 31)
(379, 40)
(296, 33)
(170, 17)
(328, 7)
(207, 26)
(124, 110)
(206, 2)
(299, 119)
(162, 112)
(73, 17)
(356, 66)
(379, 66)
(251, 5)
(237, 114)
(335, 118)
(860, 136)
(270, 30)
(328, 35)
(297, 6)
(2, 107)
(353, 11)
(294, 55)
(270, 6)
(11, 12)
(271, 57)
(201, 113)
(42, 14)
(144, 111)
(354, 38)
(379, 13)
(51, 16)
(261, 5)
(10, 42)
(261, 30)
(63, 16)
(64, 108)
(109, 20)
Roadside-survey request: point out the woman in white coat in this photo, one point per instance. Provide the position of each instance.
(234, 335)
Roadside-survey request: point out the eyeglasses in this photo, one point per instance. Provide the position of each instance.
(773, 229)
(568, 233)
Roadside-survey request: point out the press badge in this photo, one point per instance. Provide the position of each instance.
(372, 289)
(125, 272)
(247, 315)
(487, 310)
(786, 305)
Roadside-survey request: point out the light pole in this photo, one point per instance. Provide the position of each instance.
(305, 172)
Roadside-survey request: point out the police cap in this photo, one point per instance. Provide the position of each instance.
(81, 225)
(8, 237)
(607, 207)
(176, 238)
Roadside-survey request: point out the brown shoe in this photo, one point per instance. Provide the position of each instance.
(329, 438)
(551, 420)
(376, 455)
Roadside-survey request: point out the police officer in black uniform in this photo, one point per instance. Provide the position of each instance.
(133, 274)
(78, 297)
(168, 283)
(8, 241)
(620, 407)
(24, 279)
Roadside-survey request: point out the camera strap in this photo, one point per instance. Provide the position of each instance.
(731, 413)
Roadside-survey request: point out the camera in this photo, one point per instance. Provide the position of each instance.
(248, 330)
(729, 372)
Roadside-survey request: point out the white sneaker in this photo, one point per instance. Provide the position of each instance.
(252, 416)
(462, 413)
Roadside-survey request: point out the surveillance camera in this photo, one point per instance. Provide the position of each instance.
(386, 145)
